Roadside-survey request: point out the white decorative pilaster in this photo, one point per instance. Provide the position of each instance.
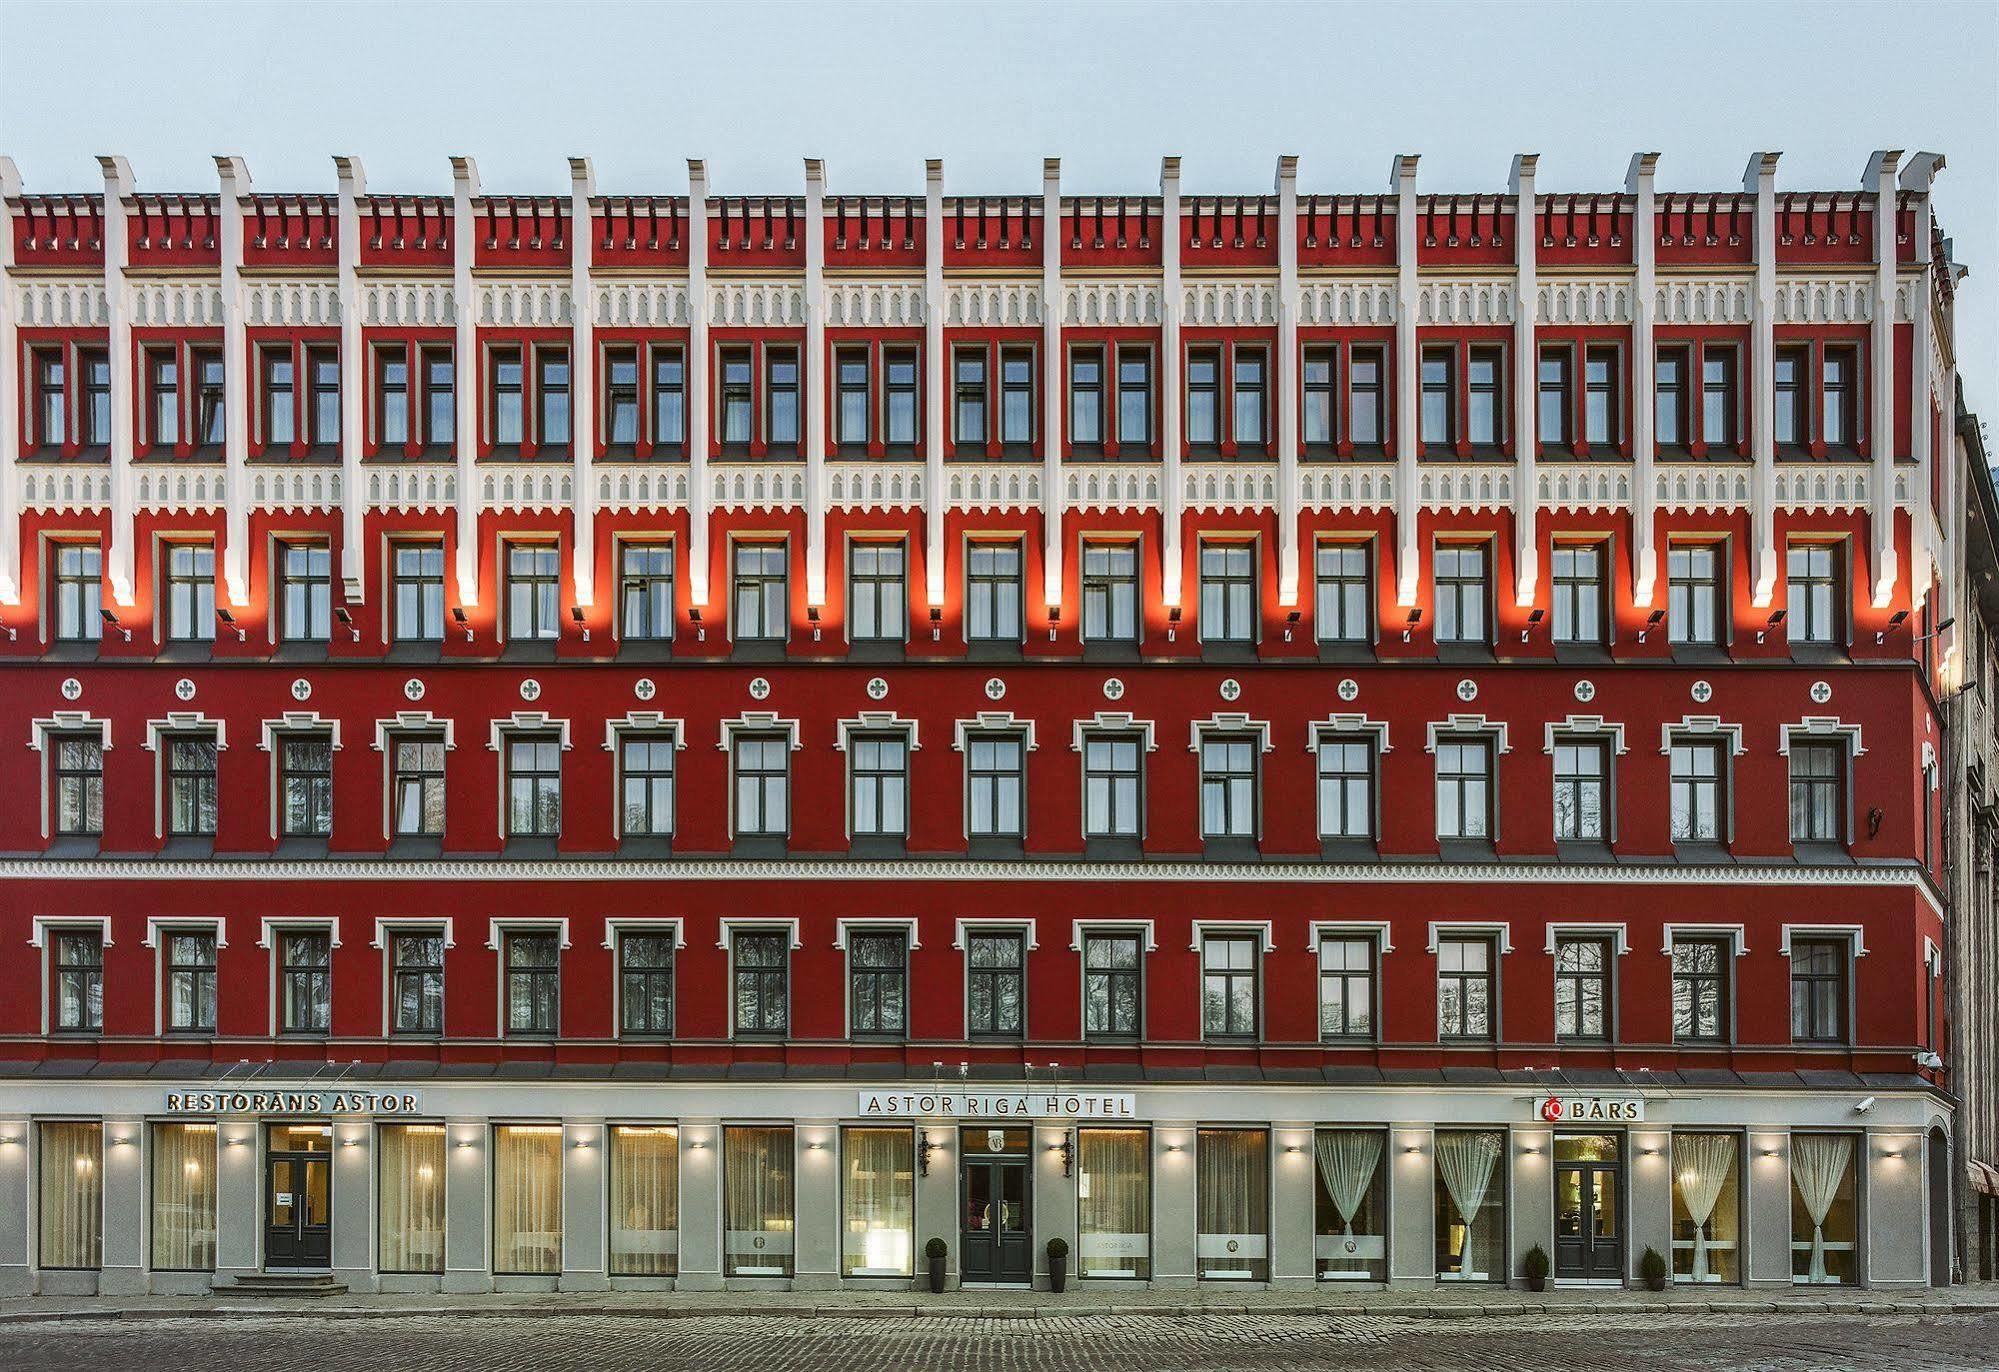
(582, 380)
(1638, 184)
(699, 497)
(353, 379)
(10, 404)
(1171, 236)
(1760, 180)
(1526, 370)
(815, 382)
(1880, 179)
(234, 175)
(118, 556)
(1284, 379)
(1408, 504)
(1053, 408)
(936, 381)
(466, 372)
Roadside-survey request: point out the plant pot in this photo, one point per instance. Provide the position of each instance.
(936, 1276)
(1058, 1273)
(1537, 1284)
(1655, 1283)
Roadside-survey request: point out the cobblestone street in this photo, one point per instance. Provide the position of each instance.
(1259, 1342)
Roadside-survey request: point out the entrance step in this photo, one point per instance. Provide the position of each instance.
(306, 1284)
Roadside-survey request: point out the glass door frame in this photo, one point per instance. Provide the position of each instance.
(1588, 1243)
(304, 1235)
(998, 1163)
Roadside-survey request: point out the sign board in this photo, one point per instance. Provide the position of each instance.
(985, 1105)
(1591, 1109)
(293, 1103)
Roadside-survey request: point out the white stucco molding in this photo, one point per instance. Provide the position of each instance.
(68, 722)
(1079, 929)
(276, 924)
(1700, 726)
(1815, 727)
(1260, 927)
(645, 924)
(500, 926)
(875, 722)
(1736, 934)
(298, 722)
(1853, 933)
(387, 925)
(1337, 724)
(995, 925)
(1113, 722)
(186, 722)
(42, 925)
(1499, 930)
(414, 722)
(643, 722)
(1614, 930)
(749, 924)
(160, 924)
(527, 722)
(1585, 727)
(1225, 722)
(1377, 929)
(994, 722)
(843, 927)
(757, 722)
(1468, 725)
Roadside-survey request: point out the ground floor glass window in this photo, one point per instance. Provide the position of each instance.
(1707, 1214)
(757, 1175)
(1823, 1215)
(1471, 1205)
(183, 1198)
(1113, 1203)
(527, 1199)
(1350, 1205)
(411, 1217)
(878, 1205)
(1232, 1192)
(645, 1200)
(72, 1195)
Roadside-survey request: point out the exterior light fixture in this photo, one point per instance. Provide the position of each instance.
(1652, 621)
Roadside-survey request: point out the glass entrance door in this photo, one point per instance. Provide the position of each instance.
(1589, 1206)
(298, 1196)
(996, 1237)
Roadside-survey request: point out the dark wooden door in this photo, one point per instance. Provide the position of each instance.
(995, 1241)
(1589, 1209)
(298, 1210)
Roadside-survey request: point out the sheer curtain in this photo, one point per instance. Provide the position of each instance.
(1818, 1167)
(1347, 1159)
(72, 1187)
(412, 1197)
(1466, 1164)
(527, 1199)
(645, 1200)
(880, 1223)
(1113, 1203)
(1230, 1189)
(1703, 1165)
(184, 1197)
(757, 1195)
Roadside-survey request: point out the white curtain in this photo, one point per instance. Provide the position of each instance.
(1113, 1202)
(527, 1199)
(412, 1197)
(1347, 1159)
(645, 1200)
(1818, 1167)
(1703, 1162)
(757, 1196)
(880, 1223)
(1230, 1182)
(184, 1197)
(1466, 1163)
(72, 1187)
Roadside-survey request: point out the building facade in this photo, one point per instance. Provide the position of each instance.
(710, 739)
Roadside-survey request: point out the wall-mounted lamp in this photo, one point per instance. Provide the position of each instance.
(1894, 1153)
(112, 620)
(812, 617)
(694, 618)
(1054, 619)
(1292, 1148)
(351, 1141)
(1531, 1149)
(580, 1143)
(576, 618)
(1067, 1148)
(1173, 1147)
(458, 618)
(1409, 625)
(237, 1140)
(936, 623)
(1895, 621)
(1532, 619)
(1771, 625)
(923, 1151)
(1172, 623)
(1652, 621)
(697, 1144)
(347, 621)
(466, 1143)
(1290, 623)
(815, 1146)
(9, 1140)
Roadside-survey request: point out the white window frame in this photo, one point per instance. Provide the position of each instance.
(1080, 932)
(388, 733)
(40, 733)
(497, 929)
(39, 929)
(158, 925)
(1224, 724)
(270, 930)
(502, 731)
(1112, 722)
(1736, 934)
(179, 723)
(1345, 728)
(875, 722)
(961, 931)
(1590, 729)
(726, 941)
(615, 928)
(386, 928)
(1378, 934)
(1822, 729)
(759, 722)
(291, 722)
(641, 722)
(1457, 727)
(990, 722)
(1266, 944)
(910, 943)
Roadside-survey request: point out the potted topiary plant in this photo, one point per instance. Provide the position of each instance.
(1652, 1268)
(934, 1253)
(1058, 1264)
(1536, 1266)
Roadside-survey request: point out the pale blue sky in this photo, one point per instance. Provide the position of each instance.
(993, 88)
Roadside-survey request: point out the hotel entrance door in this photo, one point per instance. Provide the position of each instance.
(1589, 1203)
(996, 1239)
(298, 1199)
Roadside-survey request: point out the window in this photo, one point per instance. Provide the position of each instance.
(1790, 417)
(878, 982)
(878, 1202)
(969, 399)
(899, 387)
(763, 784)
(734, 397)
(1343, 604)
(1228, 593)
(852, 409)
(534, 982)
(1350, 1205)
(995, 984)
(79, 784)
(1346, 787)
(1669, 398)
(79, 592)
(996, 785)
(1463, 591)
(190, 989)
(669, 401)
(416, 982)
(534, 591)
(418, 786)
(71, 1186)
(419, 592)
(1228, 786)
(1700, 990)
(163, 399)
(1470, 1204)
(761, 973)
(305, 577)
(323, 372)
(621, 399)
(1699, 799)
(305, 785)
(1839, 414)
(51, 398)
(1439, 395)
(191, 785)
(305, 982)
(993, 593)
(1812, 593)
(1464, 788)
(1229, 969)
(1364, 418)
(1134, 400)
(392, 398)
(1555, 406)
(758, 1223)
(1204, 399)
(1707, 1208)
(183, 1198)
(645, 984)
(1316, 401)
(763, 600)
(645, 783)
(645, 1200)
(1824, 1214)
(781, 398)
(1818, 990)
(1252, 422)
(1232, 1204)
(1579, 597)
(534, 786)
(94, 411)
(1465, 991)
(879, 596)
(1694, 594)
(1086, 400)
(1718, 398)
(1113, 1001)
(1346, 987)
(1818, 792)
(190, 592)
(280, 414)
(410, 1208)
(1110, 593)
(1582, 790)
(1016, 398)
(645, 592)
(1112, 786)
(1600, 398)
(1113, 1203)
(881, 785)
(1582, 988)
(79, 980)
(440, 399)
(527, 1199)
(551, 397)
(1485, 424)
(509, 400)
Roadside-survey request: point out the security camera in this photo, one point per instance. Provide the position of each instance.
(1864, 1106)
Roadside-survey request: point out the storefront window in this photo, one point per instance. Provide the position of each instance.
(878, 1215)
(184, 1198)
(1351, 1206)
(1113, 1203)
(1232, 1191)
(645, 1200)
(1707, 1219)
(1471, 1205)
(527, 1199)
(1822, 1210)
(757, 1200)
(72, 1186)
(412, 1197)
